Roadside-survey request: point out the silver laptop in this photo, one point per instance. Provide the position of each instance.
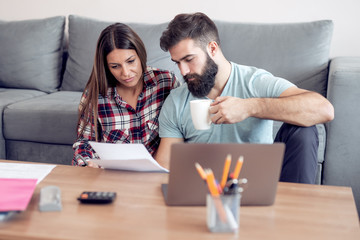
(261, 167)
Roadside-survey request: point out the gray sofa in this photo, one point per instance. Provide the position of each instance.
(45, 66)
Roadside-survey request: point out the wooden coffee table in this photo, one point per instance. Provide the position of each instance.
(300, 211)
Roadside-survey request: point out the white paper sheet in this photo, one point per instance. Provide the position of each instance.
(24, 170)
(131, 157)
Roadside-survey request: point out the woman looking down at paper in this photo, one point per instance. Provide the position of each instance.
(123, 97)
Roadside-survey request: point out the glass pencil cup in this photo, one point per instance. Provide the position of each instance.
(223, 212)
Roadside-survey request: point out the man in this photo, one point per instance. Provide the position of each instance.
(246, 100)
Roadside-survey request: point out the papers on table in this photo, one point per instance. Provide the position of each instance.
(17, 184)
(24, 170)
(131, 157)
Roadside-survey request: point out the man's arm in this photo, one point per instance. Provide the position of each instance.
(162, 155)
(295, 106)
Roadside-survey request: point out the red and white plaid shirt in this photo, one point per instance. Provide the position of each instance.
(118, 122)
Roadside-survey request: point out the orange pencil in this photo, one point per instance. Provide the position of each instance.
(238, 167)
(210, 179)
(225, 171)
(200, 171)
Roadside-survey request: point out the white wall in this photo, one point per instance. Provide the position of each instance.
(344, 13)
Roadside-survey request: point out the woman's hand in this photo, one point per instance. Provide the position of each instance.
(92, 164)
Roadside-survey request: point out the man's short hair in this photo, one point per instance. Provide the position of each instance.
(197, 26)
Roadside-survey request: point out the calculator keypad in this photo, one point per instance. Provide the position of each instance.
(97, 197)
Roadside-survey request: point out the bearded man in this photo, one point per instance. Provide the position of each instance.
(246, 100)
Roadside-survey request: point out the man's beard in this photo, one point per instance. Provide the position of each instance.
(201, 85)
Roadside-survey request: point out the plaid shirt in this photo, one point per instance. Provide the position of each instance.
(118, 122)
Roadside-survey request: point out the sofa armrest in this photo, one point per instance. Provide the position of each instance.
(342, 161)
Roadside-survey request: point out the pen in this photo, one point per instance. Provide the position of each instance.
(238, 167)
(225, 171)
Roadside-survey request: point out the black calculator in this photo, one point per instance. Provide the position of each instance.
(97, 197)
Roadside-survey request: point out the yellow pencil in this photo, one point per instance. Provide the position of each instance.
(210, 179)
(200, 171)
(238, 167)
(225, 171)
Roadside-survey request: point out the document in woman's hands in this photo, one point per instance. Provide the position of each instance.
(131, 157)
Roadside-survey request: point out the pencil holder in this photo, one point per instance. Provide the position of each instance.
(223, 212)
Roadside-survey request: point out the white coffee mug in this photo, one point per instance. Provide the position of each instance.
(200, 113)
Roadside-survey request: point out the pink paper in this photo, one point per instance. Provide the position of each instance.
(15, 193)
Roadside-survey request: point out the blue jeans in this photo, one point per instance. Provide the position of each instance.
(300, 159)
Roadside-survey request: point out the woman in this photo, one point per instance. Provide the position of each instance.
(123, 97)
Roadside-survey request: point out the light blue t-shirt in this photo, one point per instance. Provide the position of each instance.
(244, 82)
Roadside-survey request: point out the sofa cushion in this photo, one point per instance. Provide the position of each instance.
(10, 96)
(39, 152)
(298, 52)
(83, 35)
(31, 53)
(49, 119)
